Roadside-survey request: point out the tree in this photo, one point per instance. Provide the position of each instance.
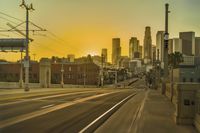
(174, 59)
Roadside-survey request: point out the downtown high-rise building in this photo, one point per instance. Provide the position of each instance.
(197, 46)
(177, 45)
(140, 51)
(147, 45)
(160, 45)
(170, 46)
(188, 42)
(153, 53)
(104, 53)
(133, 47)
(116, 50)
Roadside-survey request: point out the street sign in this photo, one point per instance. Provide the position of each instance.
(13, 44)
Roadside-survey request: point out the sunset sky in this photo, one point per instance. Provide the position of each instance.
(86, 26)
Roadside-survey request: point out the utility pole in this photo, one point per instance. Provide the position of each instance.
(116, 78)
(62, 73)
(102, 78)
(21, 72)
(26, 62)
(84, 74)
(166, 39)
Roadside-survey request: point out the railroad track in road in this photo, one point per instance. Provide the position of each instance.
(82, 114)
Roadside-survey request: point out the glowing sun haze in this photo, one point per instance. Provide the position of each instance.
(86, 26)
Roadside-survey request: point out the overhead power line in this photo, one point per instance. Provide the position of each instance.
(8, 20)
(11, 16)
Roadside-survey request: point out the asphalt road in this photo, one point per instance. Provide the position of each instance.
(60, 113)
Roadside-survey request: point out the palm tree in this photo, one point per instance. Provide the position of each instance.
(174, 59)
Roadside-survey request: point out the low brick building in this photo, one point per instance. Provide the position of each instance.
(73, 73)
(10, 72)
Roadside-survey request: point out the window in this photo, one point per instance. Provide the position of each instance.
(199, 80)
(191, 79)
(184, 80)
(70, 68)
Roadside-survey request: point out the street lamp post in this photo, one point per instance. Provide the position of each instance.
(166, 39)
(116, 78)
(62, 74)
(102, 78)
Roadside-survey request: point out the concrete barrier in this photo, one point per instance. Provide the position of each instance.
(14, 85)
(185, 102)
(197, 111)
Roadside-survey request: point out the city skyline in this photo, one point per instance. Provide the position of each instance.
(83, 34)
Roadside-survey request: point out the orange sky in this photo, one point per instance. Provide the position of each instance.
(84, 27)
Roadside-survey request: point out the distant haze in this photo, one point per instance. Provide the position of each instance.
(86, 26)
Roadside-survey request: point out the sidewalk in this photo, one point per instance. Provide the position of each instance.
(157, 116)
(153, 114)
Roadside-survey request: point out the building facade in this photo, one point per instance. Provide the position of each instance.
(160, 45)
(188, 42)
(10, 72)
(104, 53)
(140, 51)
(197, 46)
(116, 50)
(133, 47)
(188, 70)
(177, 45)
(74, 73)
(153, 53)
(147, 45)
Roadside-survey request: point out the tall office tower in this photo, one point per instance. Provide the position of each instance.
(177, 45)
(170, 46)
(188, 42)
(197, 46)
(160, 45)
(104, 52)
(133, 47)
(147, 45)
(116, 50)
(153, 53)
(140, 50)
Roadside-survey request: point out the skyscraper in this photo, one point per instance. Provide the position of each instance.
(104, 54)
(177, 45)
(140, 50)
(170, 46)
(116, 50)
(197, 46)
(133, 47)
(153, 53)
(188, 42)
(147, 45)
(160, 45)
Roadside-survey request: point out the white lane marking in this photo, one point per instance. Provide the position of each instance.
(34, 114)
(45, 97)
(139, 113)
(93, 122)
(135, 117)
(47, 106)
